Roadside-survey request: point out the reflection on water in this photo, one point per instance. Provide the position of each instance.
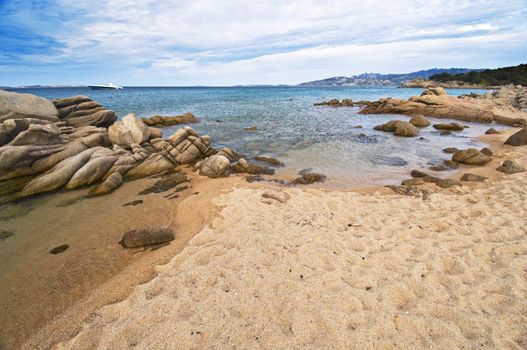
(336, 141)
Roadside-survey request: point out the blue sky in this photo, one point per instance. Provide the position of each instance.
(230, 42)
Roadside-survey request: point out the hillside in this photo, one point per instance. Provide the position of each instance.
(493, 77)
(383, 79)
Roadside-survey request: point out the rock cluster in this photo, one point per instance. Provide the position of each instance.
(434, 102)
(347, 102)
(74, 142)
(399, 128)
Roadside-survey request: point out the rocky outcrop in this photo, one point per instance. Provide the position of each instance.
(399, 128)
(511, 167)
(80, 111)
(19, 106)
(41, 155)
(471, 156)
(433, 103)
(128, 131)
(518, 139)
(162, 121)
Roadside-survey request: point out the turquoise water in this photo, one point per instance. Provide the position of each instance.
(290, 128)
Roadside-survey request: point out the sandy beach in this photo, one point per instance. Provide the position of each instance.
(336, 269)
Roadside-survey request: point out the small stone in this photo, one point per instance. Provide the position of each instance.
(413, 182)
(252, 128)
(486, 151)
(280, 196)
(419, 121)
(450, 150)
(473, 177)
(146, 237)
(133, 203)
(59, 249)
(511, 167)
(418, 173)
(450, 127)
(492, 131)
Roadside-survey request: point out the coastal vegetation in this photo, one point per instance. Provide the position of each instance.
(489, 77)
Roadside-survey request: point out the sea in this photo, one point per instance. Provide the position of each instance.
(338, 142)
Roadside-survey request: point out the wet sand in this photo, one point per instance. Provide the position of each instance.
(340, 269)
(37, 287)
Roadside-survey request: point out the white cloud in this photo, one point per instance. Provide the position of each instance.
(236, 41)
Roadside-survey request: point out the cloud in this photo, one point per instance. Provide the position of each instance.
(232, 42)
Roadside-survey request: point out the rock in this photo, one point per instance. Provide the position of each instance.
(413, 182)
(347, 102)
(14, 105)
(511, 167)
(450, 126)
(153, 164)
(518, 139)
(399, 128)
(252, 128)
(405, 129)
(4, 234)
(445, 133)
(186, 148)
(411, 191)
(159, 120)
(59, 175)
(215, 166)
(155, 133)
(492, 131)
(419, 121)
(279, 196)
(127, 131)
(59, 249)
(94, 170)
(418, 173)
(308, 178)
(473, 177)
(79, 111)
(146, 237)
(109, 185)
(486, 151)
(450, 150)
(166, 183)
(133, 203)
(451, 164)
(272, 161)
(445, 183)
(439, 167)
(38, 135)
(243, 166)
(471, 156)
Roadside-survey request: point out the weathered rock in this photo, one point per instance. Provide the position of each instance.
(215, 166)
(399, 128)
(308, 178)
(471, 156)
(109, 185)
(101, 118)
(155, 133)
(411, 191)
(10, 128)
(94, 170)
(272, 161)
(166, 183)
(243, 166)
(38, 135)
(81, 111)
(146, 237)
(518, 139)
(451, 164)
(450, 126)
(492, 131)
(413, 182)
(14, 105)
(159, 120)
(59, 175)
(127, 131)
(473, 177)
(486, 151)
(417, 173)
(443, 183)
(279, 196)
(419, 121)
(450, 150)
(154, 164)
(511, 167)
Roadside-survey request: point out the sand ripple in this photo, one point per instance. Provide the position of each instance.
(338, 270)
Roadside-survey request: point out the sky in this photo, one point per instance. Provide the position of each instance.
(230, 42)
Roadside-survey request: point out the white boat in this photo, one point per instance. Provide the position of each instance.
(108, 86)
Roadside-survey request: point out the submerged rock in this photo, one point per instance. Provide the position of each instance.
(159, 120)
(243, 166)
(419, 121)
(471, 156)
(511, 167)
(272, 161)
(518, 139)
(309, 178)
(399, 128)
(450, 150)
(450, 127)
(146, 237)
